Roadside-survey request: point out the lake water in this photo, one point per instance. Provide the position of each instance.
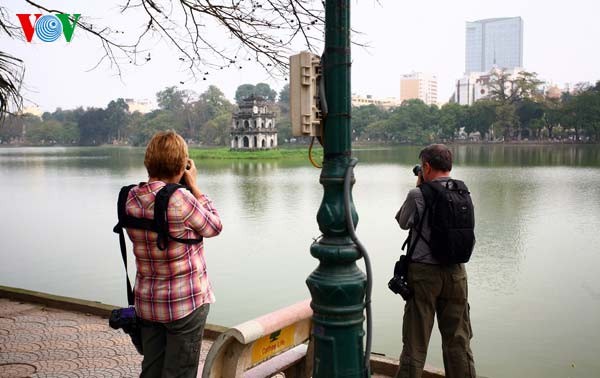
(534, 281)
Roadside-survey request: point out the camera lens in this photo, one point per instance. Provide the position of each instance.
(416, 170)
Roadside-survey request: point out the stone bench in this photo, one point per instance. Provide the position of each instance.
(273, 343)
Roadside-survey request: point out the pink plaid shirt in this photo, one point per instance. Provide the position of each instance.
(170, 284)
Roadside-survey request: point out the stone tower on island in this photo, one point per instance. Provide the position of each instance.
(253, 125)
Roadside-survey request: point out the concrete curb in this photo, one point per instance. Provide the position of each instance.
(211, 331)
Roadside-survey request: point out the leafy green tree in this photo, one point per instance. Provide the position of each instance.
(413, 122)
(582, 112)
(150, 124)
(13, 127)
(530, 115)
(508, 89)
(507, 121)
(283, 101)
(553, 114)
(93, 127)
(216, 130)
(243, 91)
(171, 99)
(214, 116)
(452, 118)
(363, 116)
(480, 116)
(265, 91)
(117, 118)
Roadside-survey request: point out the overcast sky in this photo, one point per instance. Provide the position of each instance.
(561, 42)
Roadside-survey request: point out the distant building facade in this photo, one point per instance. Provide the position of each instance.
(419, 85)
(494, 42)
(33, 110)
(385, 103)
(143, 106)
(253, 126)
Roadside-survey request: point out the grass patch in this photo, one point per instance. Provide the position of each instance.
(226, 153)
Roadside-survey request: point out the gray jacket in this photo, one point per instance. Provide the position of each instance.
(409, 216)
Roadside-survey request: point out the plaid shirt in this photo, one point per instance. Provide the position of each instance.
(170, 284)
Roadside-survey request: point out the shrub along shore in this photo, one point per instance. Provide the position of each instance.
(279, 153)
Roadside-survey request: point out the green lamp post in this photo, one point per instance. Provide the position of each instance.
(337, 286)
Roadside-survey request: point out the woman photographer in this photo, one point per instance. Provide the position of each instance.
(172, 290)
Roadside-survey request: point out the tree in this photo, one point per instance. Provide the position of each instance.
(363, 116)
(552, 117)
(117, 117)
(413, 122)
(530, 115)
(205, 35)
(508, 89)
(11, 72)
(214, 116)
(284, 95)
(243, 91)
(264, 90)
(480, 116)
(583, 113)
(93, 128)
(452, 118)
(506, 121)
(171, 99)
(260, 89)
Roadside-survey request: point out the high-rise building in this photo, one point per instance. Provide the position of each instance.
(494, 42)
(419, 85)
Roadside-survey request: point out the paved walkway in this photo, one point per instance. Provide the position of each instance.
(43, 342)
(37, 341)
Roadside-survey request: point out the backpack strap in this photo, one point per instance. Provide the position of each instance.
(430, 190)
(161, 225)
(121, 211)
(412, 245)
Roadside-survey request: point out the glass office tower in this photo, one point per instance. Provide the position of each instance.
(494, 42)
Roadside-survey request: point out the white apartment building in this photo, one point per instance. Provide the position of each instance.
(419, 85)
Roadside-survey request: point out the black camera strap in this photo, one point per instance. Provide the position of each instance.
(412, 245)
(119, 230)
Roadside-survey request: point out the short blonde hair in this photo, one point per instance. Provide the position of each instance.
(166, 154)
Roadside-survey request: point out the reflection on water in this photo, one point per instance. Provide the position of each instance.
(534, 290)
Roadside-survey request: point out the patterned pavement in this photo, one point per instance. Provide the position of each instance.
(38, 341)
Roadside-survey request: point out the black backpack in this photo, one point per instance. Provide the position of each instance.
(159, 224)
(451, 220)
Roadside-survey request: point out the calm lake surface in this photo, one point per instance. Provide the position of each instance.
(534, 276)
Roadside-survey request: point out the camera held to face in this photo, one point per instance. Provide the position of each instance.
(399, 284)
(417, 169)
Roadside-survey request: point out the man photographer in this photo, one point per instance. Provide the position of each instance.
(436, 280)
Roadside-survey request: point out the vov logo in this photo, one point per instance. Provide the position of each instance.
(48, 27)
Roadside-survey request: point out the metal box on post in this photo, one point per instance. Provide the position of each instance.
(305, 112)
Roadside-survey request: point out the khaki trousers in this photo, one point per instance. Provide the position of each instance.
(441, 290)
(173, 349)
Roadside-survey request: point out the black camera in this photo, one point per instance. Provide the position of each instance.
(398, 284)
(183, 182)
(127, 320)
(417, 169)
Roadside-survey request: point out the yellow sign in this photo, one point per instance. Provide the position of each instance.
(273, 343)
